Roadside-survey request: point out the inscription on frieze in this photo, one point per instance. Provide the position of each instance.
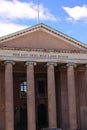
(40, 56)
(32, 55)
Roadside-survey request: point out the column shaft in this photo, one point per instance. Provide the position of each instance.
(71, 97)
(51, 97)
(31, 97)
(9, 109)
(86, 84)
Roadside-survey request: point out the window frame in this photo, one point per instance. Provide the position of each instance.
(22, 80)
(37, 87)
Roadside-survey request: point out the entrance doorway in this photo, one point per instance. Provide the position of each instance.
(21, 118)
(42, 116)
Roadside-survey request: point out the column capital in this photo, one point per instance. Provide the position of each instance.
(86, 66)
(51, 63)
(9, 61)
(30, 62)
(71, 64)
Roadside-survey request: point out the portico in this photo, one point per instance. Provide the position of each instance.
(42, 87)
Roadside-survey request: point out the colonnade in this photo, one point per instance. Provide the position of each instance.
(31, 119)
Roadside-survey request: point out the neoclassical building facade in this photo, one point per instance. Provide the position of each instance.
(43, 80)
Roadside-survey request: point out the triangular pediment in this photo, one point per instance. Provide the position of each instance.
(41, 37)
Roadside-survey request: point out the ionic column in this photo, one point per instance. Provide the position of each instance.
(86, 73)
(71, 96)
(86, 84)
(9, 107)
(31, 96)
(51, 95)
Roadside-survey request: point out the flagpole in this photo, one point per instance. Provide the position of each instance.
(37, 11)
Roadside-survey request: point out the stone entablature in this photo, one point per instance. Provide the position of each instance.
(44, 56)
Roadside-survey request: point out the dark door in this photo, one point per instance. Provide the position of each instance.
(42, 116)
(23, 117)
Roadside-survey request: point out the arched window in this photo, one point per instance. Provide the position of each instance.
(23, 89)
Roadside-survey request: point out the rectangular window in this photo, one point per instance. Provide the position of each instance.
(23, 88)
(41, 87)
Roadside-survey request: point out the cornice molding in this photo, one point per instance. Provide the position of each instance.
(44, 50)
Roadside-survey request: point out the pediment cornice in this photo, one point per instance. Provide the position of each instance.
(44, 50)
(48, 30)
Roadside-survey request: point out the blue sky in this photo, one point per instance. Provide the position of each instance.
(66, 16)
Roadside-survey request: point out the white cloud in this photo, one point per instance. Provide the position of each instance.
(7, 28)
(16, 9)
(77, 13)
(13, 10)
